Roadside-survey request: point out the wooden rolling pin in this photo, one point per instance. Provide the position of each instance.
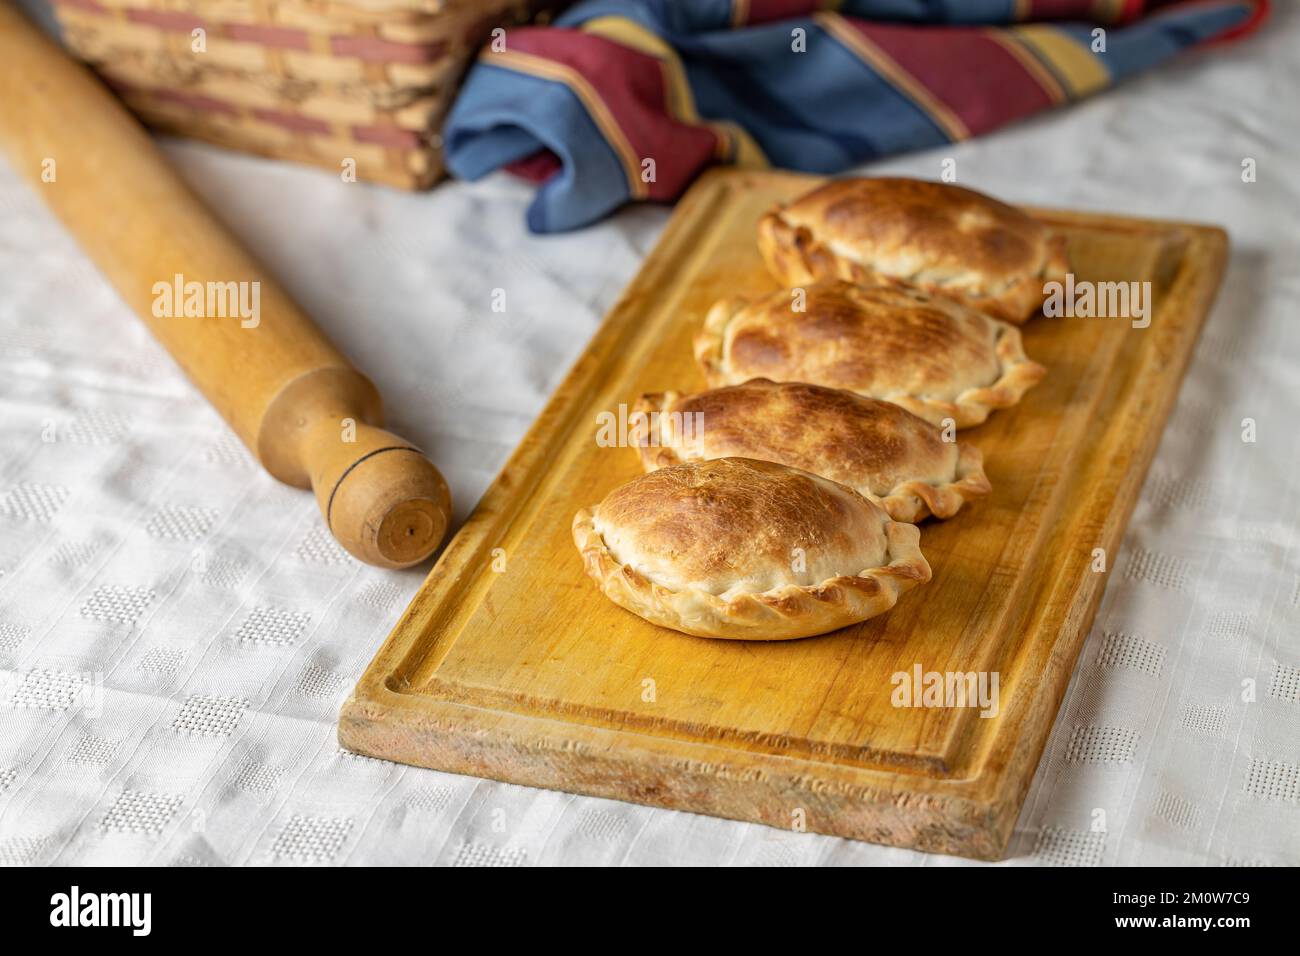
(295, 401)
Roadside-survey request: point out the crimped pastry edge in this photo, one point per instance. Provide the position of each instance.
(972, 407)
(781, 614)
(795, 256)
(909, 501)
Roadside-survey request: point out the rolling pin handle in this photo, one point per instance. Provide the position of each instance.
(381, 498)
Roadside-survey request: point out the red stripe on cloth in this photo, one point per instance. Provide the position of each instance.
(537, 168)
(632, 86)
(974, 76)
(284, 38)
(393, 136)
(1252, 23)
(374, 50)
(1262, 9)
(166, 20)
(293, 121)
(1132, 10)
(765, 11)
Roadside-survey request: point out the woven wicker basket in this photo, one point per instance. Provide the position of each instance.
(318, 81)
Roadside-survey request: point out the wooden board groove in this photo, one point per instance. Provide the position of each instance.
(530, 675)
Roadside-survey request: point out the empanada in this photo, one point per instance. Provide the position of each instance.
(878, 449)
(938, 237)
(934, 357)
(748, 550)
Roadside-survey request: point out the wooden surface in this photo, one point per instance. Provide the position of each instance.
(510, 664)
(282, 386)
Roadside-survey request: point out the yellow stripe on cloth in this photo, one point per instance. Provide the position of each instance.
(735, 144)
(1032, 64)
(1079, 71)
(886, 66)
(584, 91)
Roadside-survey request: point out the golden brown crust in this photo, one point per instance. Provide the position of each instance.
(931, 355)
(878, 449)
(747, 550)
(942, 238)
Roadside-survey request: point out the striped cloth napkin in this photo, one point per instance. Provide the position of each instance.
(629, 100)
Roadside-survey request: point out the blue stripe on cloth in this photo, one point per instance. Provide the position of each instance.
(663, 17)
(822, 111)
(671, 18)
(503, 116)
(1147, 42)
(818, 111)
(930, 11)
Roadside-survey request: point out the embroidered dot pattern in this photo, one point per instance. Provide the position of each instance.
(272, 625)
(602, 825)
(430, 799)
(21, 851)
(161, 660)
(7, 777)
(1285, 684)
(1097, 744)
(12, 635)
(1057, 846)
(319, 547)
(1209, 719)
(1178, 812)
(227, 450)
(180, 523)
(255, 777)
(484, 854)
(49, 690)
(92, 749)
(137, 812)
(34, 502)
(311, 838)
(776, 855)
(96, 427)
(1274, 780)
(209, 716)
(1191, 494)
(74, 554)
(359, 758)
(1162, 570)
(1133, 652)
(117, 604)
(381, 595)
(1261, 538)
(1230, 625)
(224, 573)
(319, 683)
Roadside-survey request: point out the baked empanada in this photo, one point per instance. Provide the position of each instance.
(938, 237)
(747, 550)
(878, 449)
(934, 357)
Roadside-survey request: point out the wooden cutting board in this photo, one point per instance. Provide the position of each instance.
(510, 664)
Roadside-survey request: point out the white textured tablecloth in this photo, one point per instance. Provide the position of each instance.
(177, 631)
